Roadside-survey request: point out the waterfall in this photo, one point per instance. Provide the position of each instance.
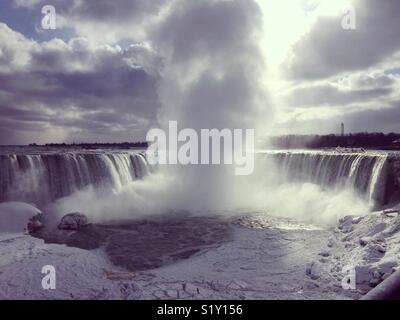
(365, 173)
(43, 178)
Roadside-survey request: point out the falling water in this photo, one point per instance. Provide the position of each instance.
(365, 173)
(42, 178)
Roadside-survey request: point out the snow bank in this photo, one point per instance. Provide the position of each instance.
(369, 244)
(14, 216)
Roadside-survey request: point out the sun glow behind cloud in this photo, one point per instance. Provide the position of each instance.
(105, 56)
(285, 23)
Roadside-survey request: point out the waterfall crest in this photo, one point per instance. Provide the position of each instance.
(367, 174)
(43, 178)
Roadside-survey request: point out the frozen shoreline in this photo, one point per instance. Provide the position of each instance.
(257, 263)
(263, 258)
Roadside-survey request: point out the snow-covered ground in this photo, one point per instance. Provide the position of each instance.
(370, 245)
(14, 216)
(265, 258)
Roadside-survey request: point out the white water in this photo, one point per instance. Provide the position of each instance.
(364, 173)
(43, 178)
(317, 186)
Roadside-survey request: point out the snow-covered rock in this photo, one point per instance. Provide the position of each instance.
(35, 223)
(325, 253)
(369, 244)
(15, 216)
(331, 242)
(73, 221)
(313, 270)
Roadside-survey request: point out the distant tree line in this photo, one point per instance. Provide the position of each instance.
(95, 145)
(364, 140)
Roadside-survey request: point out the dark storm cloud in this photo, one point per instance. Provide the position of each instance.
(127, 90)
(382, 118)
(58, 79)
(20, 114)
(324, 95)
(328, 49)
(75, 85)
(212, 79)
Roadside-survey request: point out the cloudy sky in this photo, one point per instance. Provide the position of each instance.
(113, 69)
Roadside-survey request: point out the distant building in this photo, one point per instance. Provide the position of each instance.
(342, 129)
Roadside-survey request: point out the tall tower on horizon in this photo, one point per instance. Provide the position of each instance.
(342, 129)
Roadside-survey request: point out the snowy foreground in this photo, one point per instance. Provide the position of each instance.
(264, 258)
